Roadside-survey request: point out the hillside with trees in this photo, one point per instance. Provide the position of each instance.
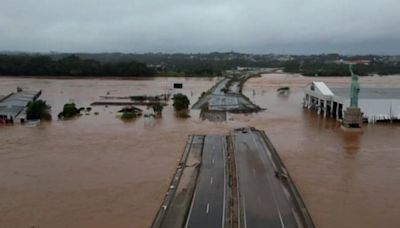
(188, 65)
(43, 65)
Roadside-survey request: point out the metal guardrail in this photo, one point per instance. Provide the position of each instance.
(5, 98)
(299, 203)
(157, 222)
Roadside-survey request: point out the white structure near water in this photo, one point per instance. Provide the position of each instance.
(376, 103)
(13, 106)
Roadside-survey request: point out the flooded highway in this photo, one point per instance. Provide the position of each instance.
(263, 202)
(98, 171)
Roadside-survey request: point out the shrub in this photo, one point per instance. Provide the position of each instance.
(181, 102)
(158, 108)
(38, 110)
(128, 115)
(69, 111)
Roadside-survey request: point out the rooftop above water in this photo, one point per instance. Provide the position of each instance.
(14, 103)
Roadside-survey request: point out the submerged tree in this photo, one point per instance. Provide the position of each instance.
(69, 111)
(38, 110)
(128, 115)
(181, 105)
(158, 108)
(181, 102)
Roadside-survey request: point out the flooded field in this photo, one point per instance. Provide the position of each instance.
(97, 171)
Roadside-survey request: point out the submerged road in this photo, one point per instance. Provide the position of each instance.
(226, 95)
(208, 204)
(263, 201)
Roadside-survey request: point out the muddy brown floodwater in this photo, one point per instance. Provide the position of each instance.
(97, 171)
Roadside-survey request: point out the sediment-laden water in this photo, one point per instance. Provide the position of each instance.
(98, 171)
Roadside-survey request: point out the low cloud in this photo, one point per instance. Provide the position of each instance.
(259, 26)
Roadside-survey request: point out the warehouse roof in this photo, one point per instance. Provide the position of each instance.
(15, 103)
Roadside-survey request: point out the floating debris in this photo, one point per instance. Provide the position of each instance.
(283, 90)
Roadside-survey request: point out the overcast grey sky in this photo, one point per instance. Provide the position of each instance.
(259, 26)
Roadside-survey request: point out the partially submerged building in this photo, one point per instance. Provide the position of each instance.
(13, 106)
(376, 103)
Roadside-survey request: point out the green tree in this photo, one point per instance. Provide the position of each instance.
(70, 65)
(128, 115)
(181, 102)
(69, 111)
(38, 110)
(291, 66)
(158, 108)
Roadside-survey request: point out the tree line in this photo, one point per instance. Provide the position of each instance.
(186, 65)
(42, 65)
(317, 68)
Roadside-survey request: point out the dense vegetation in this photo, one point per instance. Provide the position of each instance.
(181, 102)
(209, 64)
(40, 65)
(324, 66)
(117, 64)
(38, 110)
(179, 64)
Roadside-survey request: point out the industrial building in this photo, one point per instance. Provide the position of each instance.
(13, 106)
(376, 103)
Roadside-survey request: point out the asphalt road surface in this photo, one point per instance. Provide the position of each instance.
(223, 103)
(218, 100)
(263, 200)
(208, 204)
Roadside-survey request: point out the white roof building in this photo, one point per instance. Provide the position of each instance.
(14, 104)
(376, 103)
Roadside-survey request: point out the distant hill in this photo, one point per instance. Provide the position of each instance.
(71, 65)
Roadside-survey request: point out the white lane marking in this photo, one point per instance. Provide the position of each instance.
(191, 208)
(270, 186)
(254, 172)
(208, 208)
(296, 218)
(286, 193)
(224, 150)
(213, 161)
(244, 213)
(275, 201)
(280, 218)
(267, 154)
(252, 136)
(211, 180)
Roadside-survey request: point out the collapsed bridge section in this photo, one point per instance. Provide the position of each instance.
(236, 180)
